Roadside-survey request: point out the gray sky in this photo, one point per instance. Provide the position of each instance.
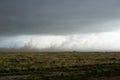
(57, 17)
(19, 17)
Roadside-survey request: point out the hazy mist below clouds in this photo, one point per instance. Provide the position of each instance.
(108, 41)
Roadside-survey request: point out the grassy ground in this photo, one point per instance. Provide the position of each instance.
(58, 66)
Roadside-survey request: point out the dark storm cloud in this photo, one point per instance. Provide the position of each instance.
(18, 17)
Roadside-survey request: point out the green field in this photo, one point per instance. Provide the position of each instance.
(59, 65)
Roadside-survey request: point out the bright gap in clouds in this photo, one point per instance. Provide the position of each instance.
(108, 41)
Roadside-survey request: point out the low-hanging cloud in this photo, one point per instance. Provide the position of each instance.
(78, 42)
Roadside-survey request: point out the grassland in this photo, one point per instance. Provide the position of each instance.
(59, 65)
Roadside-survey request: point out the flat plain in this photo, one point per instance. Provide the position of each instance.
(59, 66)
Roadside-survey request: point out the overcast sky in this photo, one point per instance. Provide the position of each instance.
(65, 21)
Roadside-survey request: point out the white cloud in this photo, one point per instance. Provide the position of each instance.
(108, 41)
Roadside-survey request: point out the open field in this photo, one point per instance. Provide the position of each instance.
(59, 66)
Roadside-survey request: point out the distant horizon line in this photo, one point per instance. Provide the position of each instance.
(55, 50)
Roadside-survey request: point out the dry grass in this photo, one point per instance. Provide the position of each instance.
(58, 63)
